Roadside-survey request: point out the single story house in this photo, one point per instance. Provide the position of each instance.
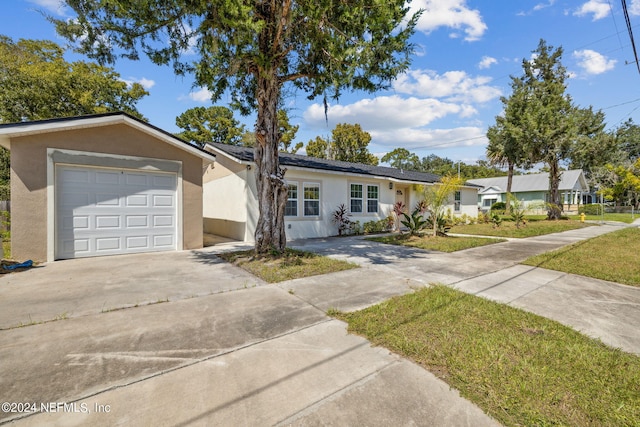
(317, 188)
(532, 189)
(102, 185)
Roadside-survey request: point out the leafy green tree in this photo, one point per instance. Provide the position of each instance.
(401, 158)
(548, 121)
(37, 83)
(251, 50)
(248, 139)
(349, 144)
(623, 184)
(628, 139)
(506, 145)
(594, 147)
(287, 134)
(438, 165)
(318, 148)
(210, 124)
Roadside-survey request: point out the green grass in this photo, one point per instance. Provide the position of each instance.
(293, 264)
(520, 368)
(613, 257)
(438, 243)
(508, 228)
(622, 217)
(6, 247)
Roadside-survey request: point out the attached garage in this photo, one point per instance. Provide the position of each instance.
(102, 185)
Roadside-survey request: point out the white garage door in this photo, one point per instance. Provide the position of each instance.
(102, 211)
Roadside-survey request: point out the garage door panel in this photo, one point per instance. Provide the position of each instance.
(162, 200)
(135, 221)
(107, 178)
(137, 200)
(108, 244)
(136, 179)
(137, 242)
(75, 176)
(165, 240)
(106, 212)
(107, 221)
(107, 200)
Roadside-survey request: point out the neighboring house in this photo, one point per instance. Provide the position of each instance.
(102, 185)
(316, 188)
(533, 189)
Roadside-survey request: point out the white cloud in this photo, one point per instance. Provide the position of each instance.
(452, 85)
(599, 8)
(430, 139)
(634, 8)
(55, 6)
(146, 83)
(202, 95)
(487, 62)
(593, 62)
(384, 113)
(541, 6)
(451, 14)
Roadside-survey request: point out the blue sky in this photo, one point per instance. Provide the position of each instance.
(467, 49)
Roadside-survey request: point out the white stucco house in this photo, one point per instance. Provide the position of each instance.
(533, 189)
(317, 188)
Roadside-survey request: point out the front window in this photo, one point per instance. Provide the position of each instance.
(487, 203)
(356, 198)
(372, 198)
(291, 209)
(311, 199)
(457, 200)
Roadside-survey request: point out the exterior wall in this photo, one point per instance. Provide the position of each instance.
(29, 180)
(334, 190)
(226, 191)
(231, 184)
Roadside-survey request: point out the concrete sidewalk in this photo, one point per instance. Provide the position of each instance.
(604, 310)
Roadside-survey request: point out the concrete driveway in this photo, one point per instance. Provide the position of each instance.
(184, 339)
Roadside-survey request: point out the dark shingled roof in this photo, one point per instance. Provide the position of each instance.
(286, 159)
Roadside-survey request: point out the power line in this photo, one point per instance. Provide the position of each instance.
(628, 21)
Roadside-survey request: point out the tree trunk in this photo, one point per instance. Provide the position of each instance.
(507, 208)
(554, 208)
(272, 189)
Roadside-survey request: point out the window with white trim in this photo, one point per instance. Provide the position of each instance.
(457, 198)
(311, 194)
(355, 198)
(291, 209)
(363, 198)
(487, 203)
(372, 199)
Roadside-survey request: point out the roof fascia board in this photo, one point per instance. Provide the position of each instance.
(91, 122)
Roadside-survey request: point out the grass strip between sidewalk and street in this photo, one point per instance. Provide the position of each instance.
(614, 257)
(437, 243)
(292, 264)
(520, 368)
(509, 229)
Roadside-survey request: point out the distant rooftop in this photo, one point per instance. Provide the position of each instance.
(569, 180)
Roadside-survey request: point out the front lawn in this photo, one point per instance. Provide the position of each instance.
(438, 243)
(293, 264)
(508, 228)
(612, 256)
(622, 217)
(520, 368)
